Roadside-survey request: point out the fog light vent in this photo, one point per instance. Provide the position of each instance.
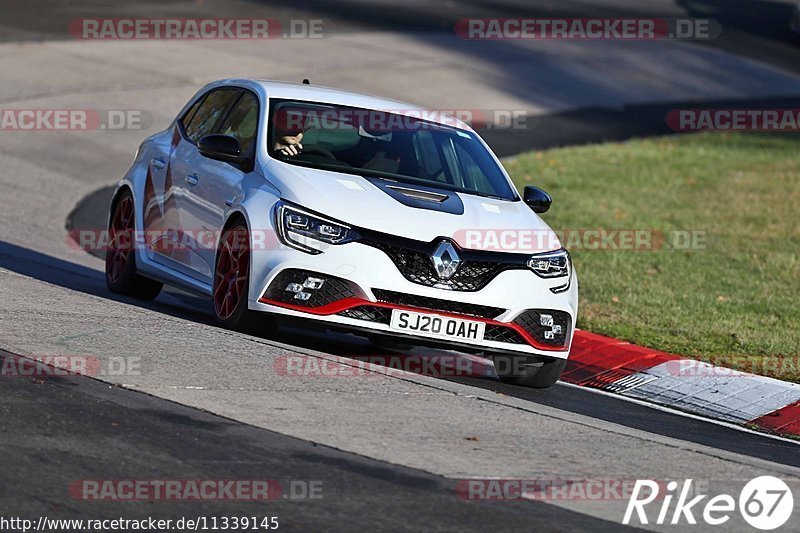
(309, 289)
(546, 326)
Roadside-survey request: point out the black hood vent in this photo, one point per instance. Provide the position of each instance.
(420, 196)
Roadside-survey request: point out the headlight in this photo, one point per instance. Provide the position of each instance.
(299, 229)
(550, 264)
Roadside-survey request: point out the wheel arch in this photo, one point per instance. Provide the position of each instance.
(115, 198)
(234, 216)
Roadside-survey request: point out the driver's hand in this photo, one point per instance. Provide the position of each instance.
(290, 144)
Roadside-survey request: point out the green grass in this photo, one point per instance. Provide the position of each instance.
(740, 296)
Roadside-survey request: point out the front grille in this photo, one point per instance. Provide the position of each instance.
(333, 289)
(437, 304)
(416, 266)
(537, 322)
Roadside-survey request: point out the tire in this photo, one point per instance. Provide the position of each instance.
(232, 283)
(121, 276)
(529, 372)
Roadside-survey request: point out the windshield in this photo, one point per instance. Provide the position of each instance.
(385, 145)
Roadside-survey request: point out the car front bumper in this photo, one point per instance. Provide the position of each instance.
(362, 286)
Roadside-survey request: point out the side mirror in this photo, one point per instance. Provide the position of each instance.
(220, 147)
(537, 199)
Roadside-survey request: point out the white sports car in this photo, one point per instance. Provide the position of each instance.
(356, 212)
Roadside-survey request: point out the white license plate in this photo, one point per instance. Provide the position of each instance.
(437, 326)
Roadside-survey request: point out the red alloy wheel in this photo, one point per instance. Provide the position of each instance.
(120, 240)
(230, 277)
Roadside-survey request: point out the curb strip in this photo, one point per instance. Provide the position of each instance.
(685, 384)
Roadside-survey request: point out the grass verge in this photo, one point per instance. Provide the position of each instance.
(734, 300)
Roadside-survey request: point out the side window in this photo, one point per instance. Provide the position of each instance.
(242, 121)
(187, 117)
(213, 108)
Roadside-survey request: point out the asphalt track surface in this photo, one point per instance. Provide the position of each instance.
(207, 404)
(753, 28)
(79, 427)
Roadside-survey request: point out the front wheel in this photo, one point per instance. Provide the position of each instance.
(529, 372)
(232, 283)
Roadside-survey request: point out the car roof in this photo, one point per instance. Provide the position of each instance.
(318, 93)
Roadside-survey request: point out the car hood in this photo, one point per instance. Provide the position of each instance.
(486, 223)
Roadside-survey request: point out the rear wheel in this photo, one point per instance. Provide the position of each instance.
(121, 276)
(232, 283)
(529, 372)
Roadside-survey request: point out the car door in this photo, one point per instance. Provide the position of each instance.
(218, 184)
(159, 215)
(189, 250)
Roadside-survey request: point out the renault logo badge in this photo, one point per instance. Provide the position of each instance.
(445, 260)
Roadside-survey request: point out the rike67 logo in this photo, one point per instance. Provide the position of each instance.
(765, 503)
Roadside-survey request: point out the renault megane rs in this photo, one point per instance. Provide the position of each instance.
(359, 213)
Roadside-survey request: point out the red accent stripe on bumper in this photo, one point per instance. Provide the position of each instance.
(349, 303)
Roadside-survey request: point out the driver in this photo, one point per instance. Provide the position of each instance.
(289, 145)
